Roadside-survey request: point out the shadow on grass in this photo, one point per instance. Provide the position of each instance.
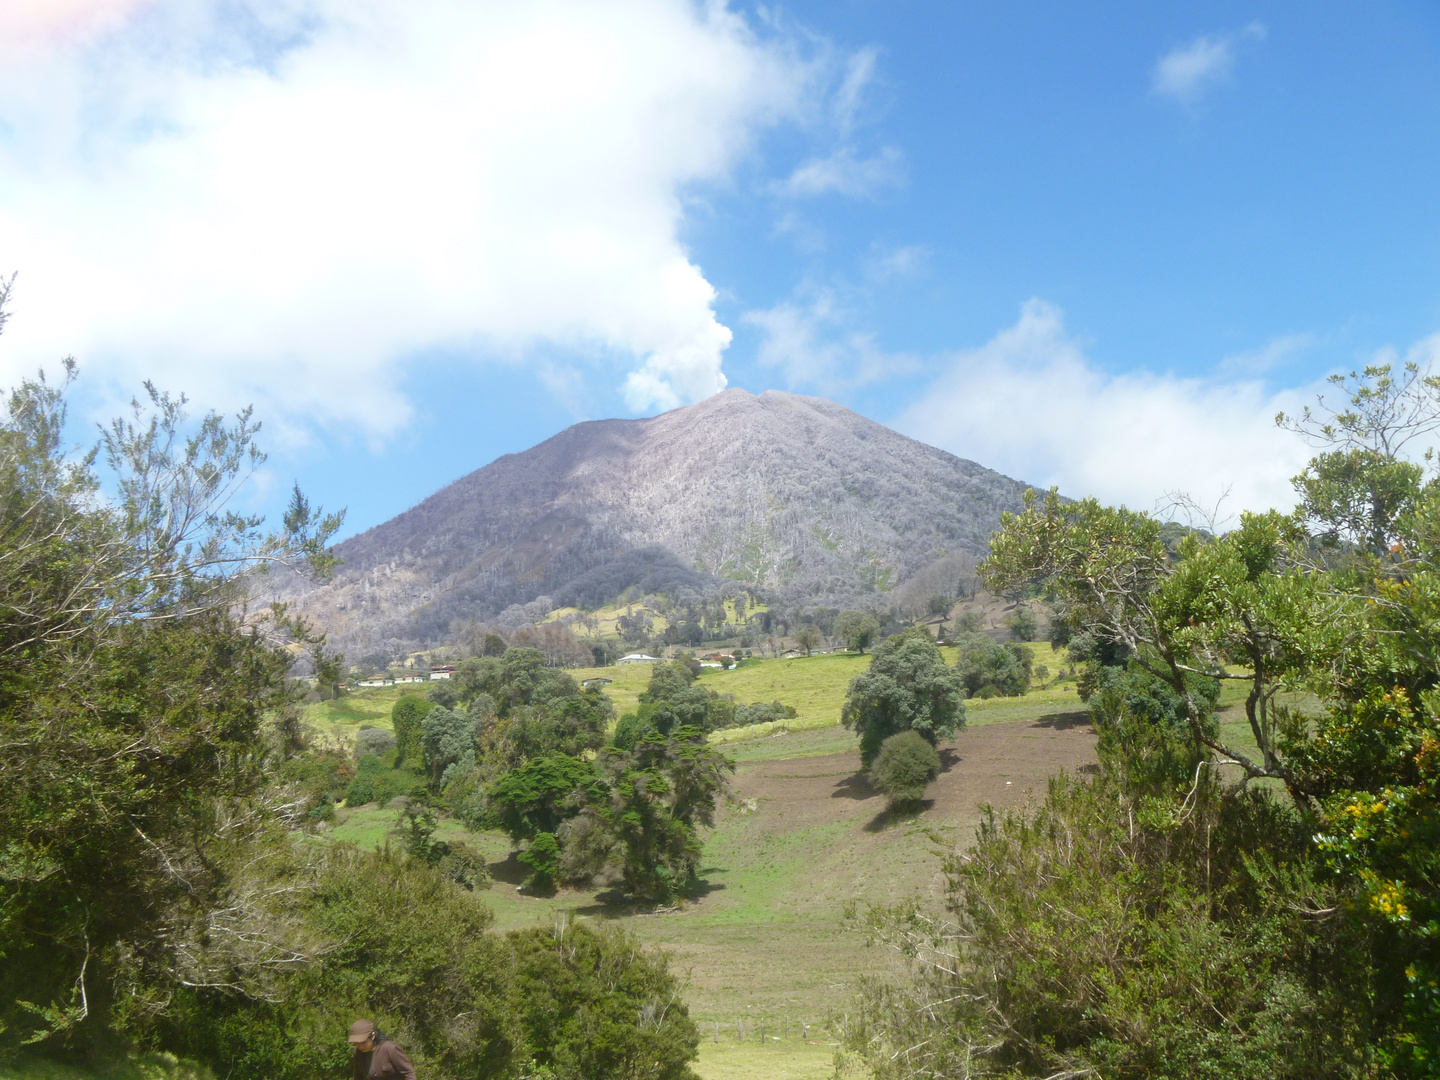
(509, 870)
(612, 903)
(892, 816)
(1065, 721)
(857, 786)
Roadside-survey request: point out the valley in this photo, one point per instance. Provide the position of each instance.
(802, 834)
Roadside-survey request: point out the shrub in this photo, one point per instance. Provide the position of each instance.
(377, 782)
(904, 768)
(407, 717)
(1022, 624)
(375, 741)
(1128, 932)
(395, 941)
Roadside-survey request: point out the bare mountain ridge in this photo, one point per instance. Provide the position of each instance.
(794, 495)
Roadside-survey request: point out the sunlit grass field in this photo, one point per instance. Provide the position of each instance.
(814, 685)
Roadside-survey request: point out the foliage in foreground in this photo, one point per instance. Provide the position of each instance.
(410, 950)
(1159, 921)
(156, 889)
(1133, 933)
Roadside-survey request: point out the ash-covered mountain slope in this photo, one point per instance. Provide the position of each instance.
(795, 495)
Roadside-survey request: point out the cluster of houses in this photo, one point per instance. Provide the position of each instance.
(710, 659)
(439, 671)
(445, 671)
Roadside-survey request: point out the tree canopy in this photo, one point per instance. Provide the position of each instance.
(908, 687)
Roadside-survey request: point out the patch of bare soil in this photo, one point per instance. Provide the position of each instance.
(1003, 765)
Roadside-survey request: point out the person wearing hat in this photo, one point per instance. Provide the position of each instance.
(376, 1057)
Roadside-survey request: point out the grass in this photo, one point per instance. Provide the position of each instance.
(336, 721)
(780, 1058)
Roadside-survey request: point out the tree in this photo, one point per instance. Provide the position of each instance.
(907, 687)
(857, 628)
(807, 637)
(989, 669)
(1022, 625)
(448, 739)
(407, 717)
(904, 768)
(137, 689)
(533, 800)
(1265, 605)
(647, 812)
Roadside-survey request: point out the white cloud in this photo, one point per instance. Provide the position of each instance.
(283, 200)
(1274, 353)
(1187, 73)
(1030, 404)
(812, 343)
(845, 172)
(886, 263)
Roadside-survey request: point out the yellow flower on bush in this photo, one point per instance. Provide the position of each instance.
(1388, 900)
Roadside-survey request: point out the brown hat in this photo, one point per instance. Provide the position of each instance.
(361, 1031)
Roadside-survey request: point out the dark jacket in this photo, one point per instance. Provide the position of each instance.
(386, 1062)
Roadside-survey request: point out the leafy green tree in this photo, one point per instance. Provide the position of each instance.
(989, 669)
(904, 768)
(1260, 605)
(646, 813)
(908, 686)
(449, 739)
(1359, 497)
(572, 726)
(1022, 624)
(807, 637)
(136, 693)
(857, 629)
(407, 717)
(540, 794)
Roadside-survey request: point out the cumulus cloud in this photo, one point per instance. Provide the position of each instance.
(1030, 404)
(1190, 71)
(286, 200)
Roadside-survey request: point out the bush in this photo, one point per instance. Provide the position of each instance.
(376, 741)
(395, 941)
(1129, 932)
(904, 768)
(407, 717)
(377, 782)
(763, 713)
(1022, 625)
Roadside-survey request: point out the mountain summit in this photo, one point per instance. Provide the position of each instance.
(794, 495)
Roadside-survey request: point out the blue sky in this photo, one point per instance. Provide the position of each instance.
(1092, 245)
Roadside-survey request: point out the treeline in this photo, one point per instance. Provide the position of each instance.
(157, 887)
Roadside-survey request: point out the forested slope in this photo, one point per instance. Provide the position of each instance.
(795, 495)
